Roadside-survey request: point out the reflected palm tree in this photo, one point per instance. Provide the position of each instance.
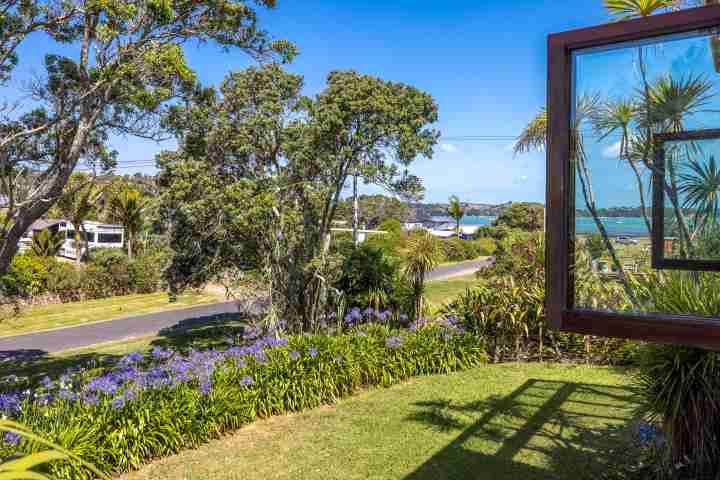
(618, 115)
(701, 188)
(534, 137)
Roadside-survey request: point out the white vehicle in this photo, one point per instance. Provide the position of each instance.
(95, 235)
(624, 240)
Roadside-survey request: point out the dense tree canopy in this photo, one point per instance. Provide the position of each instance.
(258, 176)
(525, 216)
(123, 60)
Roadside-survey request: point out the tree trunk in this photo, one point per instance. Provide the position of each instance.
(130, 244)
(356, 213)
(589, 197)
(53, 182)
(457, 228)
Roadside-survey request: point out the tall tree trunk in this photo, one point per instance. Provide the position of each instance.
(53, 182)
(589, 197)
(130, 243)
(356, 211)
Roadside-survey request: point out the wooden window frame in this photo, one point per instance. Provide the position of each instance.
(659, 261)
(560, 227)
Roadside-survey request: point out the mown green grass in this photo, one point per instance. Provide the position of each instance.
(47, 317)
(440, 292)
(498, 422)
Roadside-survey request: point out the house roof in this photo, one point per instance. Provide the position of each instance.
(42, 224)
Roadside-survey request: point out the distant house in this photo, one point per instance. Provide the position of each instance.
(96, 235)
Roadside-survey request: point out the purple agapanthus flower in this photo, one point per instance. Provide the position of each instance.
(90, 399)
(9, 403)
(118, 403)
(294, 355)
(312, 351)
(160, 354)
(393, 342)
(206, 387)
(46, 382)
(11, 438)
(246, 381)
(131, 359)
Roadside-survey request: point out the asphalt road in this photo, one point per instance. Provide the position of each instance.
(111, 330)
(444, 272)
(152, 323)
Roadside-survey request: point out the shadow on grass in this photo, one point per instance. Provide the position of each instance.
(32, 365)
(542, 430)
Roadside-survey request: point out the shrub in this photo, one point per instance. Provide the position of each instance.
(524, 216)
(65, 281)
(680, 387)
(155, 405)
(508, 310)
(146, 273)
(369, 278)
(27, 276)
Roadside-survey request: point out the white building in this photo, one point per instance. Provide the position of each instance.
(95, 235)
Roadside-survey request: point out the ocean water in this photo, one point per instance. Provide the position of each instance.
(628, 226)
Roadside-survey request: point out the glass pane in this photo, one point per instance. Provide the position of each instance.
(691, 218)
(624, 97)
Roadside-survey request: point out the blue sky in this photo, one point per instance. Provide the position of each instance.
(483, 62)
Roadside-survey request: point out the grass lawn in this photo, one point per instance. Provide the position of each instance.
(499, 422)
(46, 317)
(439, 292)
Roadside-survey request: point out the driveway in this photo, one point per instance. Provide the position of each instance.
(444, 272)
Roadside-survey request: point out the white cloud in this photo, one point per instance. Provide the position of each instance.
(612, 151)
(523, 177)
(449, 148)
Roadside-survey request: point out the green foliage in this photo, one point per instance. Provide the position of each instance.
(595, 246)
(456, 250)
(127, 206)
(161, 421)
(65, 280)
(421, 254)
(26, 277)
(256, 182)
(46, 243)
(456, 211)
(369, 278)
(374, 210)
(524, 216)
(508, 309)
(680, 387)
(27, 467)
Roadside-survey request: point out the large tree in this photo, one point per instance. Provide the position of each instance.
(259, 174)
(122, 61)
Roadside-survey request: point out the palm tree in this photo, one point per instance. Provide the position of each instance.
(614, 116)
(46, 243)
(456, 212)
(422, 253)
(627, 9)
(671, 102)
(534, 137)
(701, 188)
(127, 207)
(79, 201)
